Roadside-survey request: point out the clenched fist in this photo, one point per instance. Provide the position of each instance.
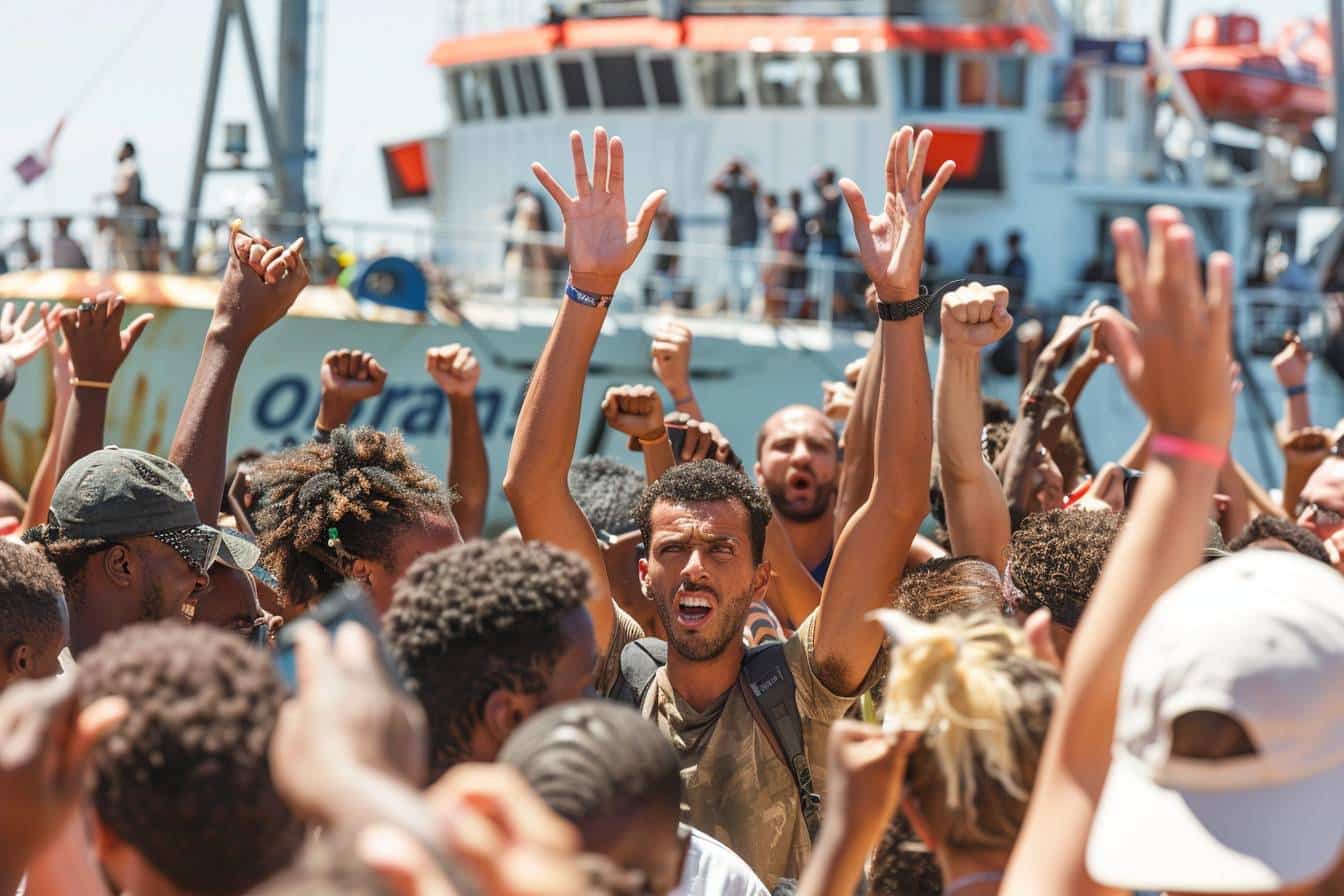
(671, 353)
(975, 316)
(634, 410)
(351, 375)
(455, 368)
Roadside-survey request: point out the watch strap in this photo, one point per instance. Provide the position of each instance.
(905, 310)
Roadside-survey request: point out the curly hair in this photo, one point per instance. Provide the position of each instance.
(995, 410)
(475, 618)
(69, 555)
(949, 585)
(31, 595)
(993, 439)
(1055, 559)
(902, 866)
(702, 482)
(362, 482)
(565, 755)
(186, 779)
(607, 492)
(1265, 527)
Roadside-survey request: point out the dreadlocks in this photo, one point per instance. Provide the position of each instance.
(362, 484)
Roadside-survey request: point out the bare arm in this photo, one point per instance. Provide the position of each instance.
(347, 377)
(602, 245)
(249, 303)
(97, 349)
(44, 481)
(457, 371)
(1080, 374)
(1182, 339)
(671, 353)
(1291, 366)
(1303, 452)
(973, 317)
(870, 553)
(856, 470)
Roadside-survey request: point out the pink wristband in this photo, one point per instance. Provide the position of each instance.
(1189, 449)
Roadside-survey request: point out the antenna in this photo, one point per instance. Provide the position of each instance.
(283, 128)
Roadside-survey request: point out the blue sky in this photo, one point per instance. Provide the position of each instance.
(378, 88)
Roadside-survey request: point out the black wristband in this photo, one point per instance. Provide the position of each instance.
(9, 376)
(905, 310)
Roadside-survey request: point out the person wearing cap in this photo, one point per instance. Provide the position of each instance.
(125, 535)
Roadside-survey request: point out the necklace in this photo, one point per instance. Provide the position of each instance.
(970, 880)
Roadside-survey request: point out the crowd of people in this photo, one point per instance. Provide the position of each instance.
(921, 645)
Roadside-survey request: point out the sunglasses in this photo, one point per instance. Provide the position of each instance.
(198, 545)
(1323, 515)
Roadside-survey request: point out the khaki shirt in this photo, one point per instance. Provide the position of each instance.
(734, 787)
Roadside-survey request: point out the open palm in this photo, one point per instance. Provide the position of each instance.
(601, 242)
(891, 244)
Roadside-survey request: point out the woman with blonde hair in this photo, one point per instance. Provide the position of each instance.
(974, 703)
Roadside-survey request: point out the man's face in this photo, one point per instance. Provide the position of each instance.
(228, 602)
(431, 533)
(700, 574)
(798, 464)
(646, 840)
(1321, 505)
(167, 580)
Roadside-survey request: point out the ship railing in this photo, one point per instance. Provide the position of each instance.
(671, 9)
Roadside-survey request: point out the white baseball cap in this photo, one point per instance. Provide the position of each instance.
(1257, 638)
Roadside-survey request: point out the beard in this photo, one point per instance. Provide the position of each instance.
(705, 644)
(820, 505)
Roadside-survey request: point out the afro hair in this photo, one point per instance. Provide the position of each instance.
(702, 482)
(475, 618)
(186, 778)
(1055, 559)
(607, 492)
(1265, 527)
(31, 597)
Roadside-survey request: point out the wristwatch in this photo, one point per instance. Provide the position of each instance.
(905, 310)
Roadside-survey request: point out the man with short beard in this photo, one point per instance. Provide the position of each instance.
(797, 463)
(704, 525)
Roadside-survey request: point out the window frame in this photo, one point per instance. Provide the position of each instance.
(639, 79)
(746, 86)
(586, 68)
(868, 62)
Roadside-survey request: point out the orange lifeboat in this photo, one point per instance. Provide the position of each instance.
(1235, 78)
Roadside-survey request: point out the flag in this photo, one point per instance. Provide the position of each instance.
(35, 164)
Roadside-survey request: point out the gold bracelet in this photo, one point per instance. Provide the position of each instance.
(92, 384)
(655, 440)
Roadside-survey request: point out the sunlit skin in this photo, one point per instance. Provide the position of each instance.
(798, 467)
(433, 532)
(1047, 483)
(641, 839)
(230, 602)
(1325, 488)
(36, 659)
(139, 579)
(701, 576)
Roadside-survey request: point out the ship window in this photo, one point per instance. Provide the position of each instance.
(575, 84)
(665, 86)
(618, 76)
(497, 92)
(1011, 90)
(720, 76)
(779, 80)
(972, 82)
(526, 105)
(1113, 96)
(846, 81)
(538, 85)
(468, 88)
(934, 64)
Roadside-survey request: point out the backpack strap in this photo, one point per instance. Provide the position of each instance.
(640, 662)
(768, 685)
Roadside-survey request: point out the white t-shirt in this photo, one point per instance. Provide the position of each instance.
(712, 869)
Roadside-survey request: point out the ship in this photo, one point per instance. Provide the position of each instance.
(1056, 130)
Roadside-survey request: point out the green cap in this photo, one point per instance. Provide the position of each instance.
(124, 493)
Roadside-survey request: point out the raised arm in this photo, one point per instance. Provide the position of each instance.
(973, 318)
(1290, 368)
(637, 412)
(347, 377)
(456, 370)
(44, 481)
(602, 244)
(870, 553)
(98, 346)
(671, 353)
(856, 467)
(1183, 338)
(260, 285)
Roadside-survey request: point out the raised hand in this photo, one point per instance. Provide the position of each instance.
(703, 440)
(60, 353)
(975, 316)
(671, 353)
(1291, 364)
(45, 744)
(94, 337)
(18, 341)
(1175, 367)
(866, 771)
(260, 285)
(455, 368)
(836, 400)
(600, 241)
(891, 244)
(1071, 326)
(634, 410)
(1306, 449)
(350, 375)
